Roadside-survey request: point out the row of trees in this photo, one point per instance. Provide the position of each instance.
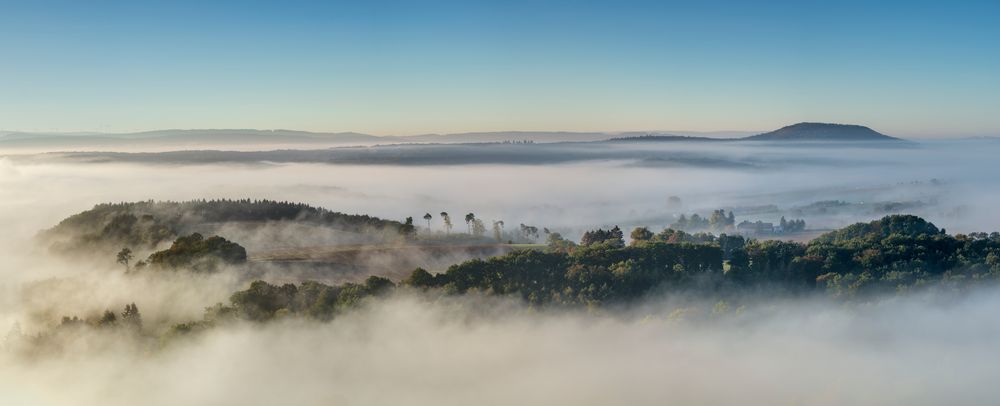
(896, 253)
(129, 318)
(477, 227)
(717, 221)
(720, 221)
(792, 226)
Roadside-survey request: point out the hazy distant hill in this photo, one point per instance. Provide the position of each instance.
(793, 133)
(165, 140)
(249, 139)
(182, 139)
(501, 136)
(822, 132)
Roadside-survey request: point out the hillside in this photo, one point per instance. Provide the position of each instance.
(822, 132)
(144, 225)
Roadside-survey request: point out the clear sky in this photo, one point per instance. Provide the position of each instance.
(909, 68)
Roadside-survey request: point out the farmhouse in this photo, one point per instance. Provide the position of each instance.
(755, 228)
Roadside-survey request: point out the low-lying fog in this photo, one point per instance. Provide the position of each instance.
(413, 350)
(953, 182)
(408, 350)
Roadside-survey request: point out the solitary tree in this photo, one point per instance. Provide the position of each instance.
(124, 256)
(641, 234)
(447, 222)
(468, 221)
(428, 217)
(498, 230)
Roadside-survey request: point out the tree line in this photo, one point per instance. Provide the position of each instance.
(897, 253)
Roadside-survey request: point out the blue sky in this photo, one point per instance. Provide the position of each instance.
(385, 67)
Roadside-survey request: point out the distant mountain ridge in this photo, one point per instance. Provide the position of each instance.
(250, 138)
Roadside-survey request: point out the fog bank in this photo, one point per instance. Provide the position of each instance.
(411, 350)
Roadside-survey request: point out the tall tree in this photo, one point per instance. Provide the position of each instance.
(447, 222)
(428, 217)
(124, 257)
(498, 230)
(469, 218)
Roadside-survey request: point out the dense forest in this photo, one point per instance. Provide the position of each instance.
(895, 254)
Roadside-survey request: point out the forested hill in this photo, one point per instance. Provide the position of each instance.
(147, 223)
(822, 132)
(808, 132)
(891, 256)
(898, 225)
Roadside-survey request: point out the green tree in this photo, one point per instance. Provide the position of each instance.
(615, 237)
(378, 284)
(124, 257)
(556, 243)
(641, 234)
(419, 278)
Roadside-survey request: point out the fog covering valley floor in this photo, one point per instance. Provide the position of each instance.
(927, 346)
